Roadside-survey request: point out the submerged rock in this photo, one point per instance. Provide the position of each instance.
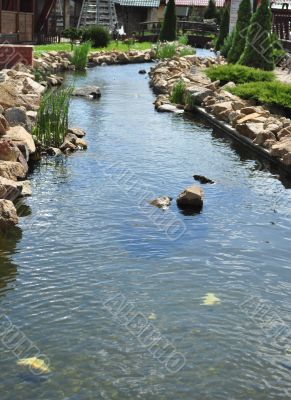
(191, 198)
(202, 179)
(163, 202)
(88, 91)
(142, 71)
(8, 214)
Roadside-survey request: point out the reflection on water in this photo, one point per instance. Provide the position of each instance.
(89, 238)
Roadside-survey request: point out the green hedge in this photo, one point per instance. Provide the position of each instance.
(238, 74)
(265, 92)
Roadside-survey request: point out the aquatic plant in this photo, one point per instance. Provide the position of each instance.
(178, 93)
(80, 56)
(166, 50)
(183, 40)
(52, 118)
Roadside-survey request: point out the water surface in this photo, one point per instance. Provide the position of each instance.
(90, 236)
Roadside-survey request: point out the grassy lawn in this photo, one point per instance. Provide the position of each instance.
(116, 46)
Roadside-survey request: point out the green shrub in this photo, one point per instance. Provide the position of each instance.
(238, 74)
(178, 93)
(258, 52)
(224, 28)
(183, 40)
(239, 40)
(228, 41)
(73, 34)
(168, 31)
(265, 92)
(187, 51)
(52, 118)
(165, 50)
(97, 35)
(211, 10)
(80, 56)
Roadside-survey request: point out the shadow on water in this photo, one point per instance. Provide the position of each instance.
(245, 154)
(8, 270)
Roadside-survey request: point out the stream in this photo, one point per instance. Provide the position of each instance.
(95, 272)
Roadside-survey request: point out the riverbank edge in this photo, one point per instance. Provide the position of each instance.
(255, 126)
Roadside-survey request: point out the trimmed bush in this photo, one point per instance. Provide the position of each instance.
(239, 41)
(224, 28)
(178, 93)
(80, 56)
(211, 10)
(238, 74)
(227, 44)
(168, 31)
(97, 35)
(73, 34)
(276, 93)
(258, 52)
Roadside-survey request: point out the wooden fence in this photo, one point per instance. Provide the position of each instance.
(282, 26)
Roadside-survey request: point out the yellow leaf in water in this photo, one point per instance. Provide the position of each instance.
(152, 317)
(34, 363)
(210, 299)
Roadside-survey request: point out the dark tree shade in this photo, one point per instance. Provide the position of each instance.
(224, 28)
(211, 10)
(168, 31)
(239, 41)
(258, 52)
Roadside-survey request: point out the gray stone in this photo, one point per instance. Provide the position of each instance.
(198, 94)
(191, 198)
(88, 91)
(163, 202)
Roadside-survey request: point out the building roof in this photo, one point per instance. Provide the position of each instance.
(139, 3)
(197, 3)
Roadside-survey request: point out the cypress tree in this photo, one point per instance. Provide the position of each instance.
(258, 52)
(227, 44)
(224, 28)
(243, 21)
(168, 31)
(211, 10)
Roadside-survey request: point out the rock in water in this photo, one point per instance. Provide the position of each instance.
(202, 179)
(142, 71)
(163, 202)
(191, 198)
(210, 299)
(88, 91)
(8, 215)
(34, 363)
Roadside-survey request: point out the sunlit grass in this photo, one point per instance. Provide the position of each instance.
(113, 46)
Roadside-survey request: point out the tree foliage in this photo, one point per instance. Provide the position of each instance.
(258, 52)
(224, 28)
(168, 31)
(211, 10)
(239, 41)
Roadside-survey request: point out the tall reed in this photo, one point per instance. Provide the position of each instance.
(53, 118)
(80, 56)
(178, 93)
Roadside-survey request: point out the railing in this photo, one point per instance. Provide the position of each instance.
(153, 28)
(43, 38)
(282, 23)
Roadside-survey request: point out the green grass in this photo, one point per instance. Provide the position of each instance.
(166, 50)
(113, 46)
(276, 93)
(178, 93)
(52, 118)
(238, 74)
(80, 56)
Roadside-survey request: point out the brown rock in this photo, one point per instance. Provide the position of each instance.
(263, 136)
(8, 215)
(254, 117)
(77, 131)
(221, 107)
(9, 189)
(12, 170)
(250, 130)
(285, 132)
(287, 159)
(19, 134)
(8, 151)
(4, 125)
(281, 148)
(191, 198)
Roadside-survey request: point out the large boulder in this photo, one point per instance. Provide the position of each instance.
(19, 134)
(88, 91)
(9, 189)
(9, 95)
(250, 130)
(8, 215)
(191, 198)
(31, 86)
(253, 117)
(17, 116)
(281, 148)
(262, 137)
(198, 94)
(219, 108)
(8, 151)
(12, 170)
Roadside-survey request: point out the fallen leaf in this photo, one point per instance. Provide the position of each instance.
(210, 299)
(34, 363)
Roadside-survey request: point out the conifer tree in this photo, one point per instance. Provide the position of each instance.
(211, 10)
(224, 28)
(239, 41)
(168, 31)
(258, 52)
